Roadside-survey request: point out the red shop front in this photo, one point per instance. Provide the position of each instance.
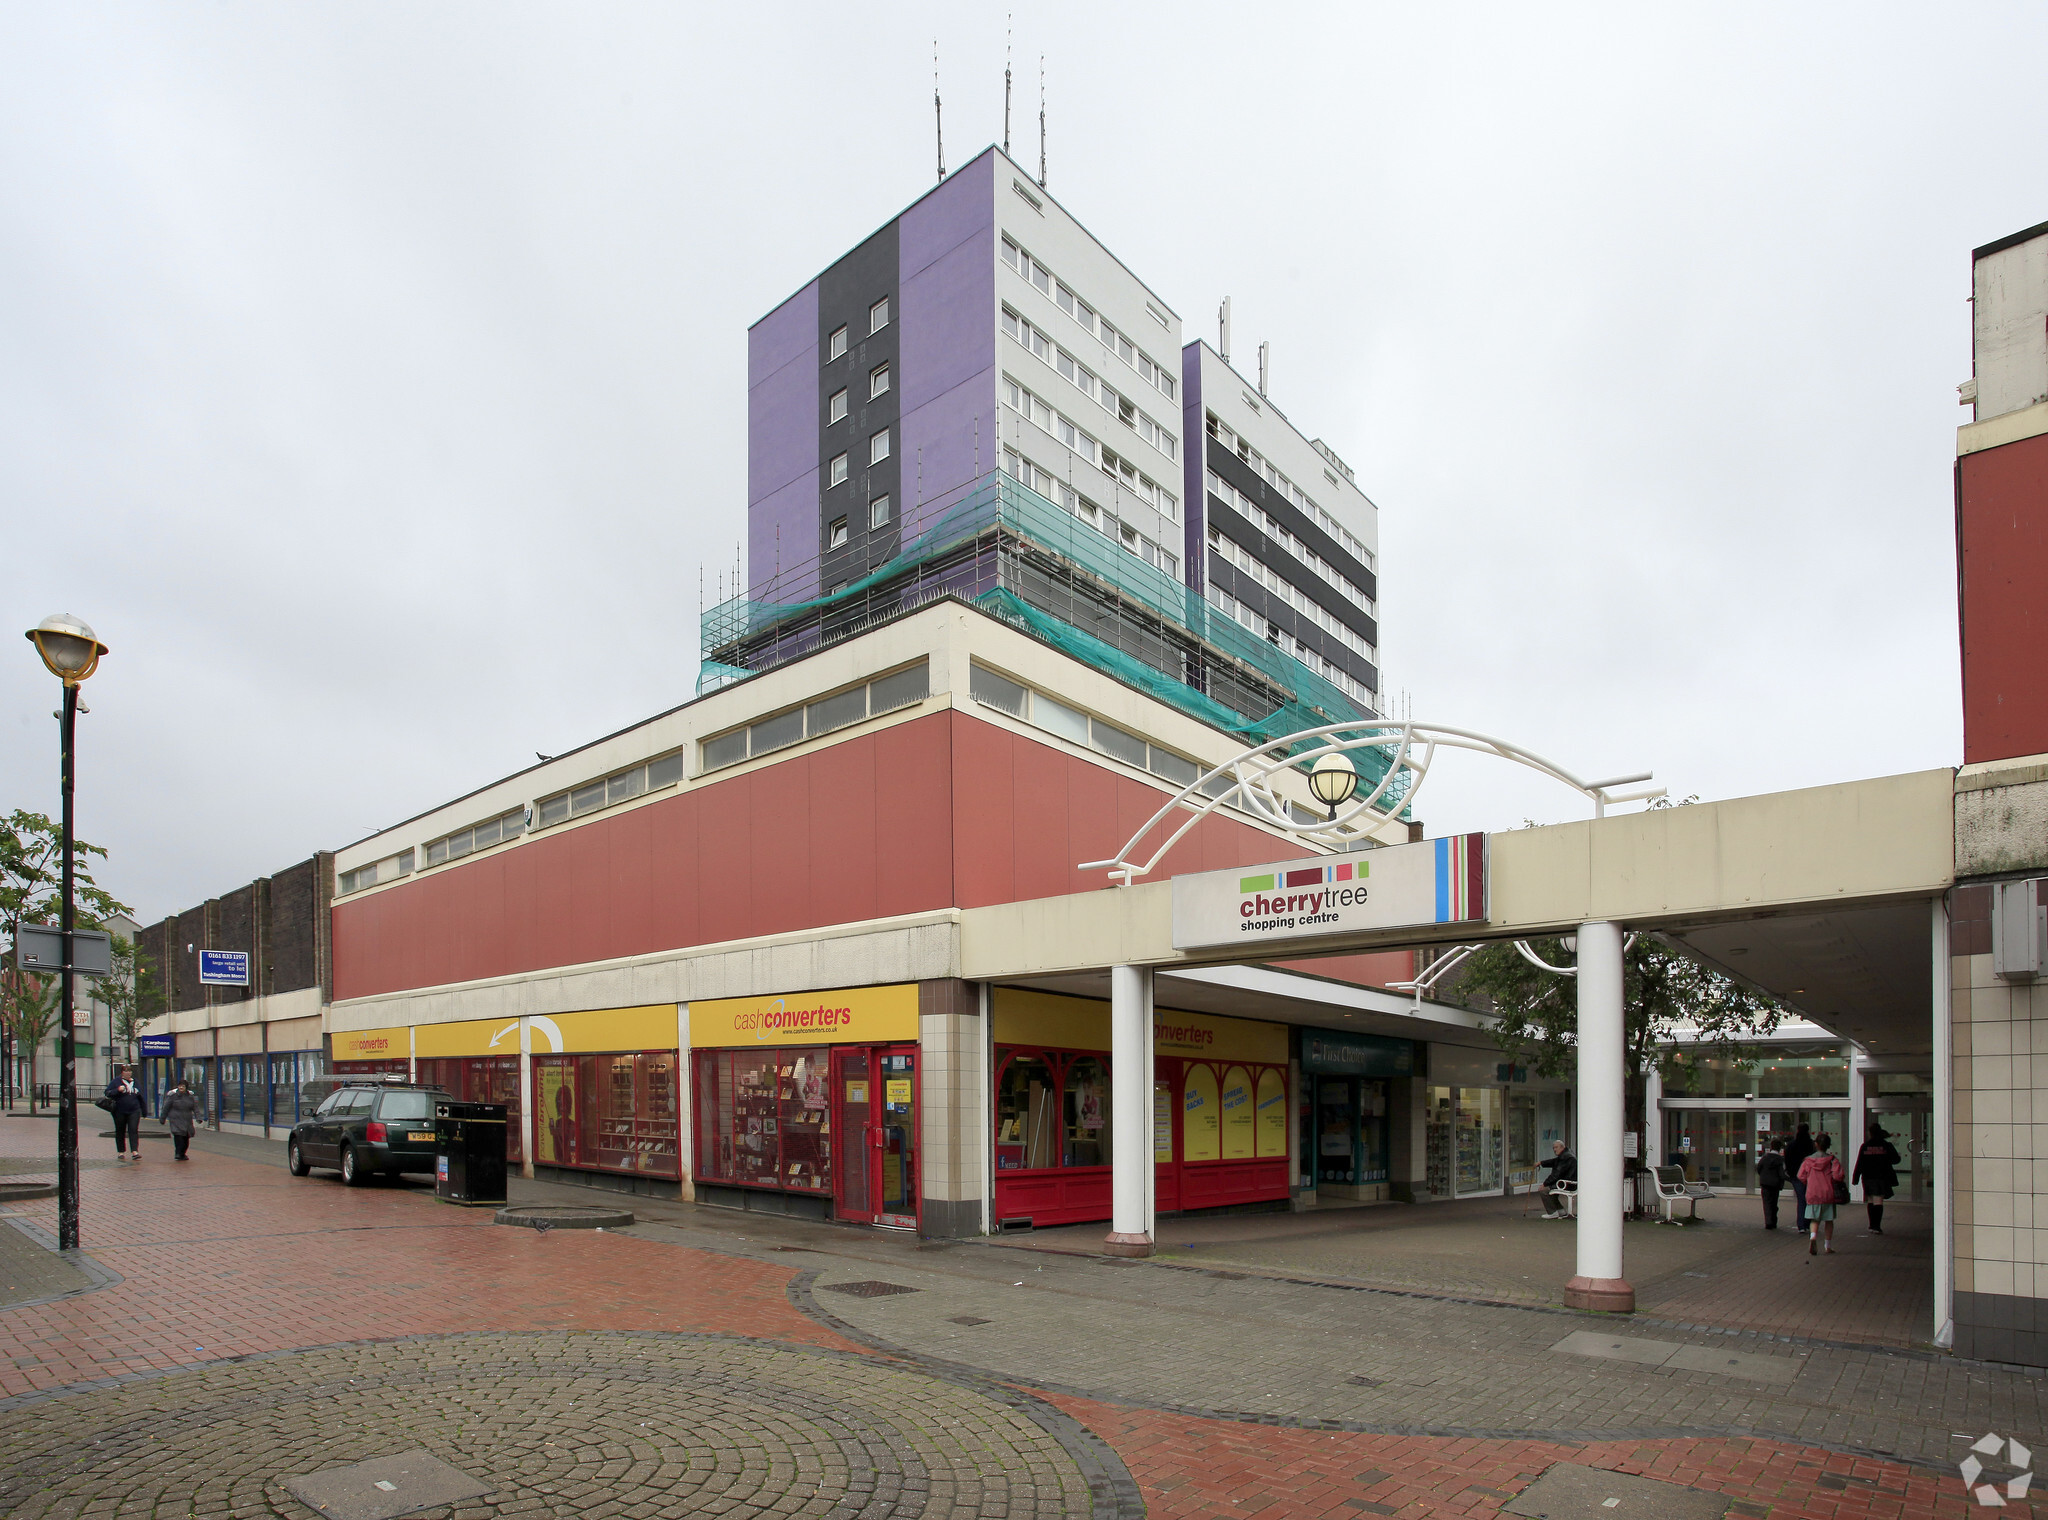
(1219, 1116)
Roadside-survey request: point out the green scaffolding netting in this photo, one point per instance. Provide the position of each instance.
(1000, 503)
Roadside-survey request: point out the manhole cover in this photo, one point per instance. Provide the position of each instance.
(867, 1289)
(564, 1216)
(969, 1319)
(385, 1486)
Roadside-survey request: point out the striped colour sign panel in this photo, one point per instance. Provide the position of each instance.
(1436, 881)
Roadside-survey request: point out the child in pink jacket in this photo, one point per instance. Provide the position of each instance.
(1821, 1173)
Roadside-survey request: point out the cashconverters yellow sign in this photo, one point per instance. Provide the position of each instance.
(850, 1016)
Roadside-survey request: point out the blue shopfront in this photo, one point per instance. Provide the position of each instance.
(1347, 1080)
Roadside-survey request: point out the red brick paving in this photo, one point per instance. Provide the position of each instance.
(222, 1257)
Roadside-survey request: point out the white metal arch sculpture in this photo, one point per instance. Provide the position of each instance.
(1408, 747)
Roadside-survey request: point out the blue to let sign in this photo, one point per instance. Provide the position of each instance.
(224, 968)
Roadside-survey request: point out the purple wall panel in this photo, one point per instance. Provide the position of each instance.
(1194, 438)
(946, 249)
(782, 442)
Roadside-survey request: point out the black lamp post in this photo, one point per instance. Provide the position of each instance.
(71, 652)
(1333, 780)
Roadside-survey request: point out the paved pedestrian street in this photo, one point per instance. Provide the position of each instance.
(230, 1330)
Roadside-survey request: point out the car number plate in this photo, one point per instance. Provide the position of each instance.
(420, 1134)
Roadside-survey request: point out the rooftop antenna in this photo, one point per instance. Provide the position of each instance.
(1223, 330)
(938, 111)
(1041, 121)
(1009, 48)
(1265, 355)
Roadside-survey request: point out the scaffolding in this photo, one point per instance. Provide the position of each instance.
(1002, 546)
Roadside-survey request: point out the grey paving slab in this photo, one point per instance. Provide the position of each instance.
(385, 1487)
(1726, 1361)
(1567, 1491)
(1617, 1348)
(31, 1272)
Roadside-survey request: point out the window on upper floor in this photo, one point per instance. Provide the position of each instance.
(835, 473)
(835, 537)
(878, 511)
(878, 315)
(884, 694)
(605, 791)
(479, 837)
(835, 345)
(835, 409)
(878, 380)
(878, 447)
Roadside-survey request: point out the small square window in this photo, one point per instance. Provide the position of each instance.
(836, 474)
(835, 409)
(878, 315)
(836, 538)
(878, 381)
(878, 511)
(835, 345)
(878, 447)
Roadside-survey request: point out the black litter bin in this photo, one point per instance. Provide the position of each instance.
(470, 1141)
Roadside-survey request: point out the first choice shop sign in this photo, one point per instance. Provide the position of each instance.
(1438, 881)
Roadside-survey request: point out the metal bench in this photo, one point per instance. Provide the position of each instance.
(1673, 1188)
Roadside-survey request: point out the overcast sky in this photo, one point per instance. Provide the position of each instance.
(372, 378)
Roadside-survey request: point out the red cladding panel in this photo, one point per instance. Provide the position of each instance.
(1375, 970)
(2002, 534)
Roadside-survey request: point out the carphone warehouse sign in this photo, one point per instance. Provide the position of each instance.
(1438, 881)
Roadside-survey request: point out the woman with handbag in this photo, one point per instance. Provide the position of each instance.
(1877, 1169)
(124, 1102)
(1826, 1187)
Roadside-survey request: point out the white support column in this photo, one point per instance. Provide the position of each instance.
(1603, 1111)
(526, 1124)
(1943, 1138)
(1130, 1113)
(1851, 1139)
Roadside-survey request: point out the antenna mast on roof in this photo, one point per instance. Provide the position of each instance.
(1223, 330)
(1041, 121)
(938, 111)
(1008, 49)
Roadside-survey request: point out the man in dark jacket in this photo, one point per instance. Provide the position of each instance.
(1563, 1166)
(126, 1097)
(1770, 1180)
(180, 1116)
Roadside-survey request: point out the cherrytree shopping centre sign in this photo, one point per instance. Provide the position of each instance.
(1438, 881)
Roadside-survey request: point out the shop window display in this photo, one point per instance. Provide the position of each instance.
(1240, 1133)
(1086, 1097)
(614, 1113)
(763, 1119)
(1201, 1120)
(1025, 1101)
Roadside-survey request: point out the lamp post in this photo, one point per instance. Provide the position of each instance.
(71, 651)
(1333, 779)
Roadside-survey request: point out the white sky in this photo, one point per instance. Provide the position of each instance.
(372, 378)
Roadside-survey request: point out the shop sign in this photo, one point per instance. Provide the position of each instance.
(1054, 1021)
(372, 1044)
(1201, 1034)
(1438, 881)
(849, 1016)
(155, 1044)
(1332, 1052)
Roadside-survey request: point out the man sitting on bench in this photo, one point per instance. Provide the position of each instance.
(1563, 1166)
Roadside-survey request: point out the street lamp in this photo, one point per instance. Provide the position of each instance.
(1333, 779)
(71, 651)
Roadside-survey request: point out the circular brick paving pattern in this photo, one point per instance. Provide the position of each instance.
(587, 1424)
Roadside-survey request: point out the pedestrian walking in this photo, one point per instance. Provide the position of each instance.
(1825, 1186)
(1770, 1180)
(1877, 1170)
(126, 1098)
(1563, 1166)
(1796, 1151)
(180, 1116)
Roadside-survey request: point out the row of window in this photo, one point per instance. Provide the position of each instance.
(390, 868)
(878, 385)
(1040, 711)
(1035, 409)
(1231, 607)
(1018, 468)
(880, 510)
(481, 837)
(878, 318)
(1120, 407)
(1249, 509)
(1224, 434)
(878, 450)
(1155, 375)
(1235, 554)
(780, 730)
(610, 791)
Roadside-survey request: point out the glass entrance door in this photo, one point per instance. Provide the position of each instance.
(853, 1094)
(896, 1200)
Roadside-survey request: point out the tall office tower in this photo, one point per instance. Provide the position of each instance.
(981, 400)
(1292, 544)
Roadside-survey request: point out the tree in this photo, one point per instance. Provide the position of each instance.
(1666, 995)
(31, 892)
(130, 996)
(28, 1005)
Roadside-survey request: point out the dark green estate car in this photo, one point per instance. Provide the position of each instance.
(364, 1128)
